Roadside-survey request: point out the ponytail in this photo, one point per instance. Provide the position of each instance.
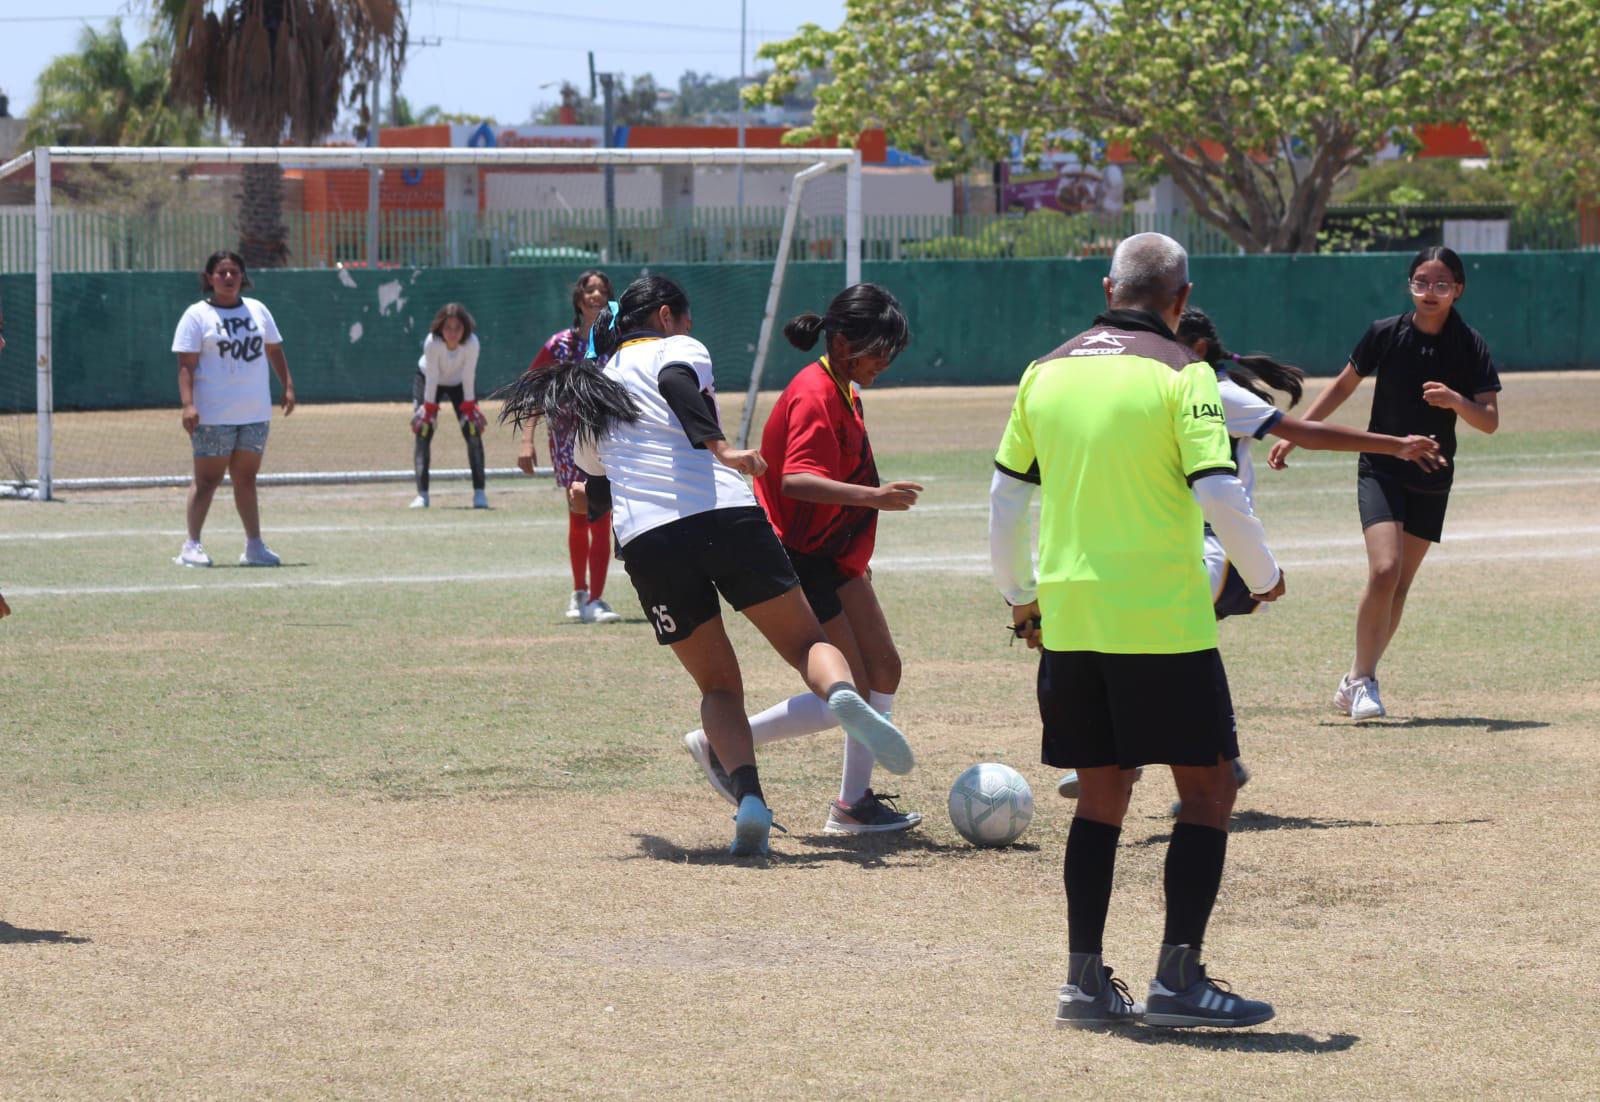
(803, 331)
(1248, 371)
(866, 315)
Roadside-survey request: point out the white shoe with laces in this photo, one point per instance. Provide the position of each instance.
(1341, 695)
(576, 604)
(419, 502)
(1364, 701)
(598, 612)
(192, 554)
(257, 553)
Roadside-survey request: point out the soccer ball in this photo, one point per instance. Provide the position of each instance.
(991, 804)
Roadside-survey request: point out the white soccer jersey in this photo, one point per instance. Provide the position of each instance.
(656, 475)
(1249, 418)
(231, 384)
(443, 366)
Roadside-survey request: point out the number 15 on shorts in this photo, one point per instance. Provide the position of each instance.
(665, 624)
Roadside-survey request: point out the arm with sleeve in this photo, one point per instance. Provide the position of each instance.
(1206, 453)
(810, 444)
(430, 370)
(469, 369)
(1247, 414)
(680, 387)
(1010, 497)
(191, 332)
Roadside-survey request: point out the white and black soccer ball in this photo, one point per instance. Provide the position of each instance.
(991, 804)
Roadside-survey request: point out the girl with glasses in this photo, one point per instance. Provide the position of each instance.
(1432, 369)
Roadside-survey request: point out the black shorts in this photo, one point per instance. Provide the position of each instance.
(820, 579)
(455, 394)
(1420, 513)
(1135, 709)
(1235, 598)
(679, 568)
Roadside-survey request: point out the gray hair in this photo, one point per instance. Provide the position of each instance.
(1148, 269)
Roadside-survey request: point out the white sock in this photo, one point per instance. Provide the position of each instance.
(805, 714)
(858, 760)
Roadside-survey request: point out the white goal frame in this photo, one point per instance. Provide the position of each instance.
(809, 163)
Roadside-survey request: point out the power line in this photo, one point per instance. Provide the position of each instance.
(563, 47)
(58, 18)
(525, 13)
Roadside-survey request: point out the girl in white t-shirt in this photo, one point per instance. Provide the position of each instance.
(690, 528)
(226, 345)
(448, 369)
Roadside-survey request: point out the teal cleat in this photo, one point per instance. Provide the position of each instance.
(864, 724)
(751, 826)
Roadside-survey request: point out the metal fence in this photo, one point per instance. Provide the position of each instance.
(176, 240)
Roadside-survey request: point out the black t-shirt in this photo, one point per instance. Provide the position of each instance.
(1403, 357)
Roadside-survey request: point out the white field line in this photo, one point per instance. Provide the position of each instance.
(963, 563)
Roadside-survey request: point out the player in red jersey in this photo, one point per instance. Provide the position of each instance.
(822, 495)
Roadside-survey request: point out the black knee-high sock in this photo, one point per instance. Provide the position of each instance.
(1192, 877)
(746, 783)
(474, 456)
(421, 455)
(1091, 859)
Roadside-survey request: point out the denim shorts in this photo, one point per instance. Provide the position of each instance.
(211, 441)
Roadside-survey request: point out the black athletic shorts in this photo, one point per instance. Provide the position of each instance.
(1420, 513)
(1235, 598)
(1135, 709)
(455, 393)
(820, 579)
(679, 568)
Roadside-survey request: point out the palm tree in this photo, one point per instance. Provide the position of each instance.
(107, 94)
(273, 69)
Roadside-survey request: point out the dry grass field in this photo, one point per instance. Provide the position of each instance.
(381, 823)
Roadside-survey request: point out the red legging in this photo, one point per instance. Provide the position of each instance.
(589, 545)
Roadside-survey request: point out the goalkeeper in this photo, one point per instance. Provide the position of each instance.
(448, 369)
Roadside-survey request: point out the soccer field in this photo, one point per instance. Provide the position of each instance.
(381, 822)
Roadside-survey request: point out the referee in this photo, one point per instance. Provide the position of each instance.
(1123, 432)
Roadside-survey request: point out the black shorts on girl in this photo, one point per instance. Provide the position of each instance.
(820, 579)
(1129, 710)
(679, 568)
(1420, 512)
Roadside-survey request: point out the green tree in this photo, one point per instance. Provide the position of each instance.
(635, 104)
(274, 69)
(1436, 180)
(1257, 110)
(107, 94)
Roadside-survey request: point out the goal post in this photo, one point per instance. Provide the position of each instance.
(806, 163)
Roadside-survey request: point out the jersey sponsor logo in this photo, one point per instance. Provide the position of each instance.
(1102, 343)
(1207, 411)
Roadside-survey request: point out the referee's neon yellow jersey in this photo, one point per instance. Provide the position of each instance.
(1114, 426)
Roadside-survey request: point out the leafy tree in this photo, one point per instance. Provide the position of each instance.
(638, 104)
(1257, 110)
(1436, 180)
(274, 69)
(107, 94)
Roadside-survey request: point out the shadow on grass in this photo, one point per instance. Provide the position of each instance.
(1487, 724)
(16, 935)
(863, 851)
(1244, 822)
(1299, 1044)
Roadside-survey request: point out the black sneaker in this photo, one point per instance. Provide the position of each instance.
(1206, 1002)
(871, 814)
(1111, 1005)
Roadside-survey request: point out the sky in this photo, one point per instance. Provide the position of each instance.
(495, 57)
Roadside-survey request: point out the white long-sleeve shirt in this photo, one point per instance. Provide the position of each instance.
(442, 366)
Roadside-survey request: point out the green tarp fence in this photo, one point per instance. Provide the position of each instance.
(355, 335)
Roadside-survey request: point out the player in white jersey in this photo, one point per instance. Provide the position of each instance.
(448, 368)
(690, 529)
(1250, 413)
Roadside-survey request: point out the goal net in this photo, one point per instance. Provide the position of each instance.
(101, 250)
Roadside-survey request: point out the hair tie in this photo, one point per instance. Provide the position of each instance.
(615, 309)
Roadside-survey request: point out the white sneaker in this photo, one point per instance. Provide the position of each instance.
(257, 553)
(1069, 787)
(419, 502)
(576, 605)
(192, 555)
(480, 499)
(1341, 695)
(1364, 701)
(598, 612)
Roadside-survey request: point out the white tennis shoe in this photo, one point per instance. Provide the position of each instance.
(192, 555)
(1364, 701)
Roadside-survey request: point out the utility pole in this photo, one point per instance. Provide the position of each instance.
(373, 172)
(608, 83)
(738, 238)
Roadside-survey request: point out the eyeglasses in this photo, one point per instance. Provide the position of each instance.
(1441, 287)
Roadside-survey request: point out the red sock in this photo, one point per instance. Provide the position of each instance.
(599, 555)
(578, 547)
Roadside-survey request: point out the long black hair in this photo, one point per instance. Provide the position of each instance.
(635, 309)
(1444, 255)
(578, 290)
(1247, 371)
(866, 315)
